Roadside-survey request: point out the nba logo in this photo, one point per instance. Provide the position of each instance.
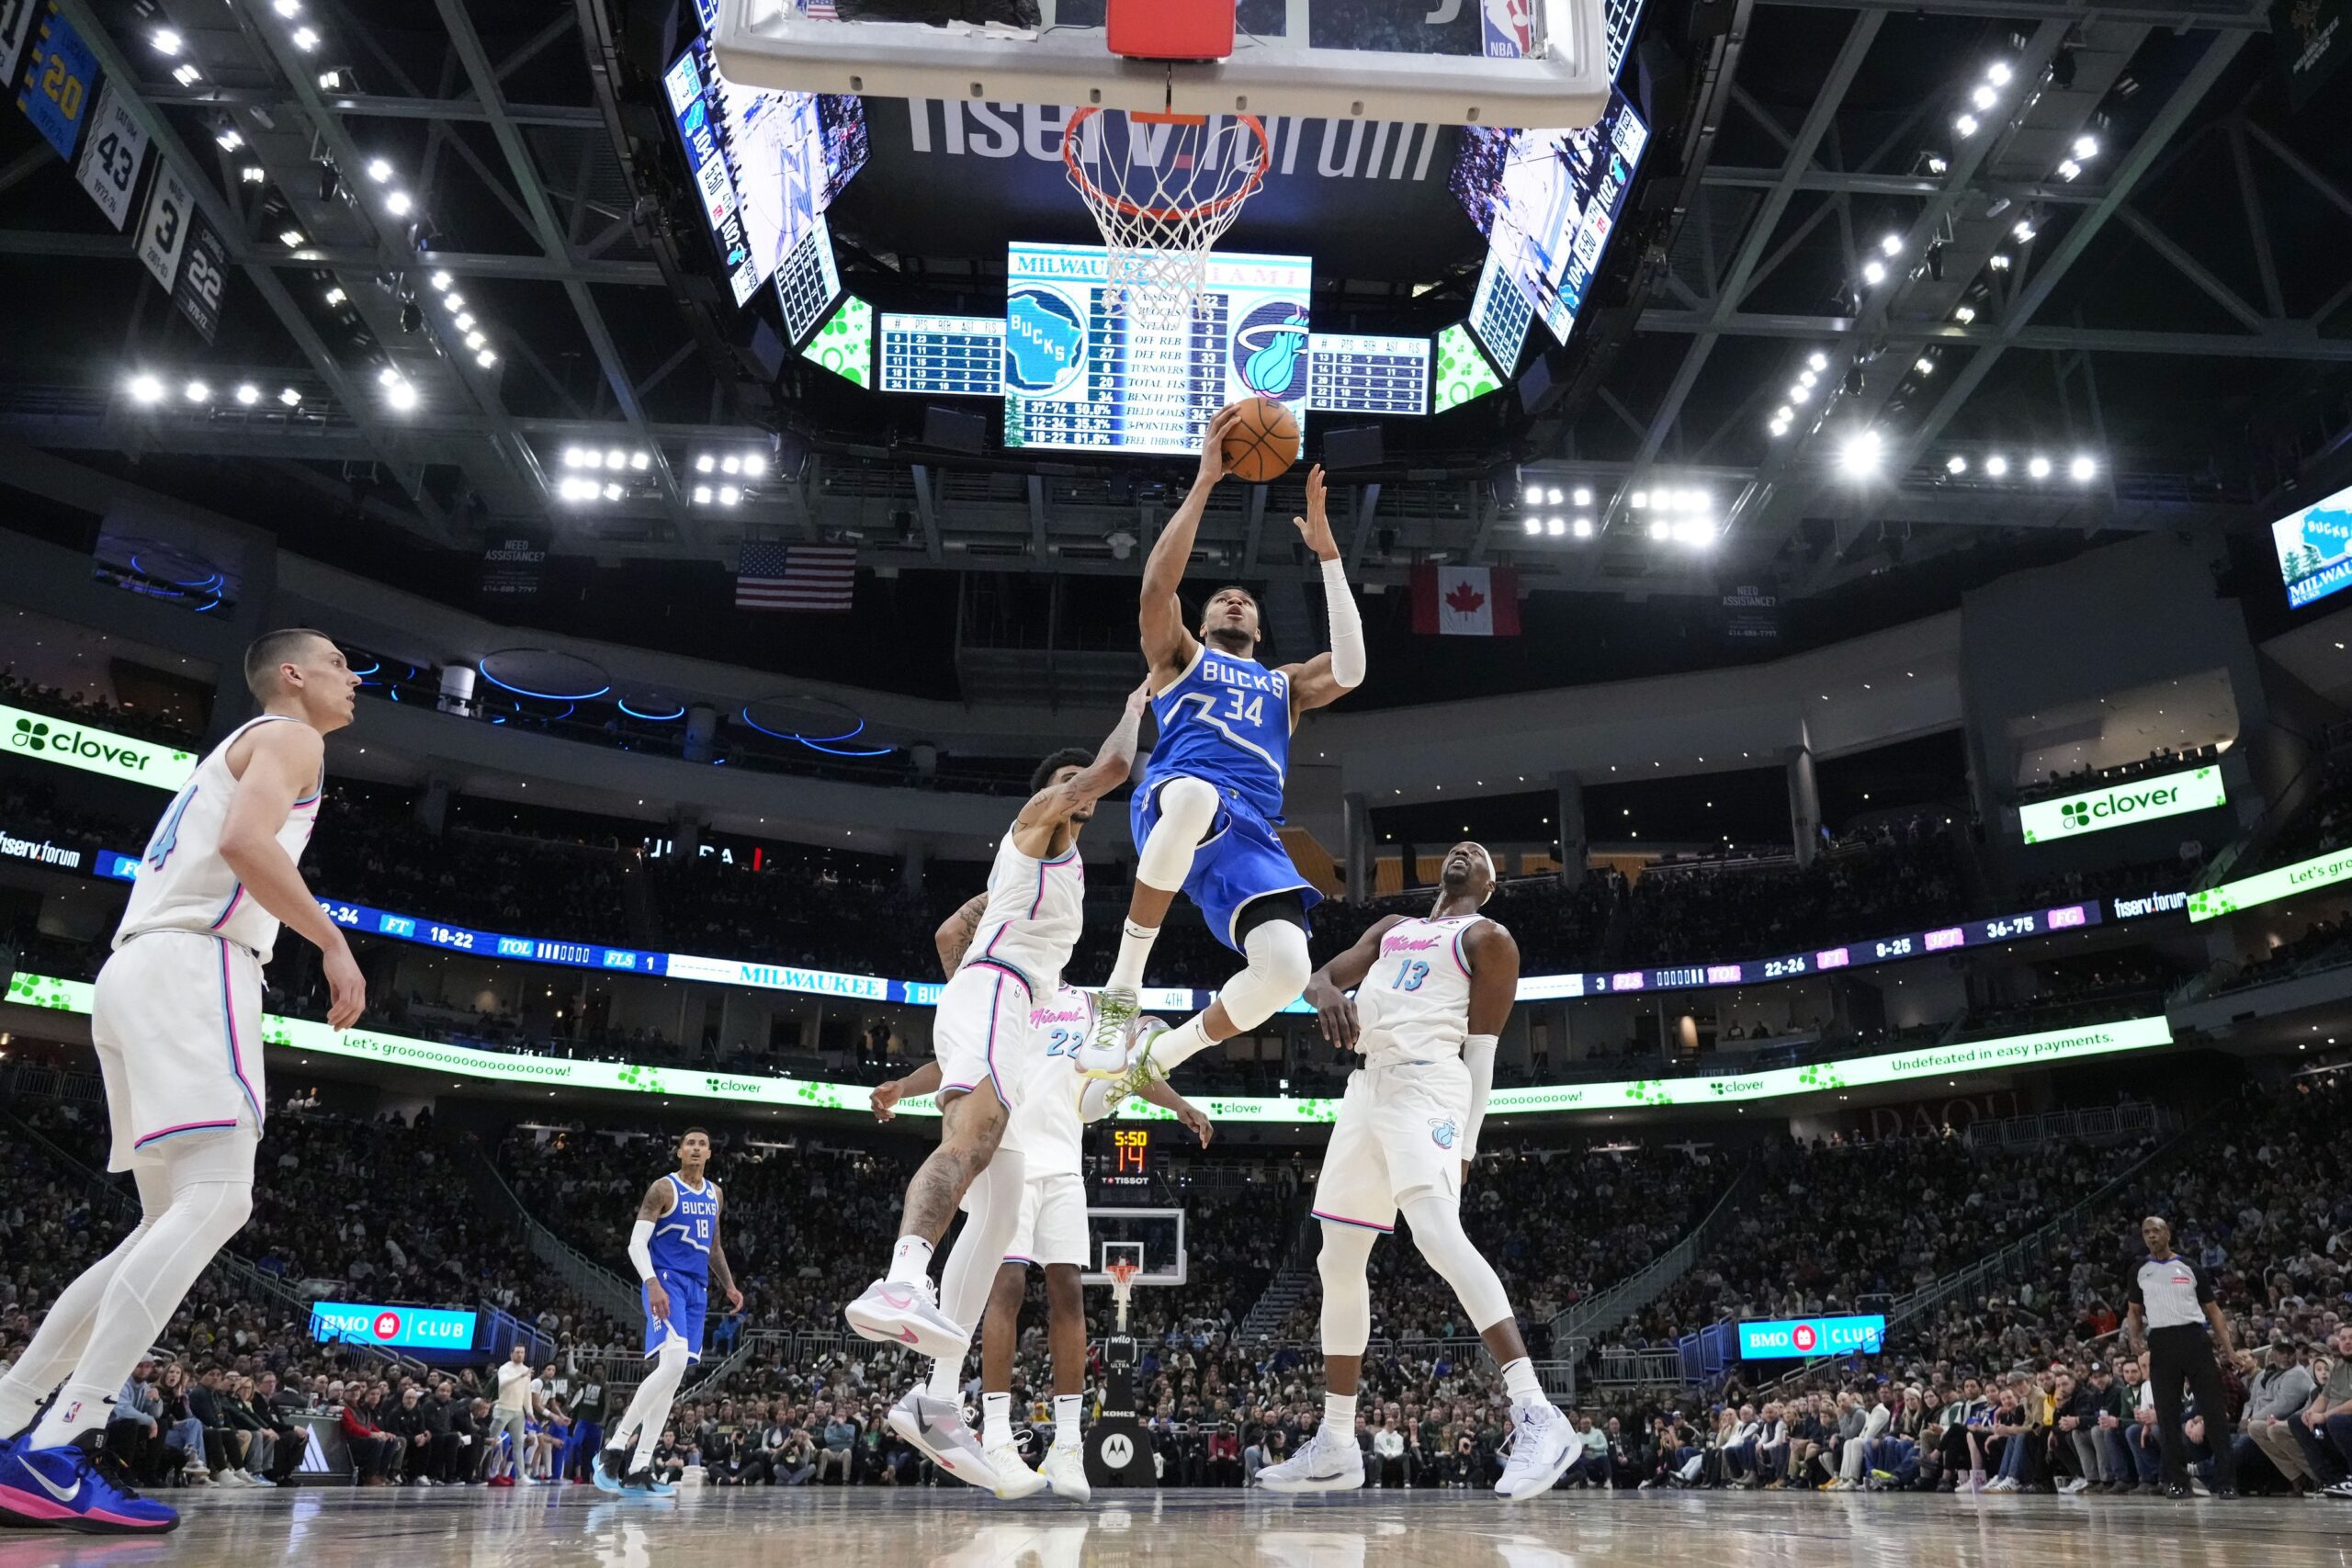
(1509, 27)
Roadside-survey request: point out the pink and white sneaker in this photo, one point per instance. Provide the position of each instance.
(896, 1312)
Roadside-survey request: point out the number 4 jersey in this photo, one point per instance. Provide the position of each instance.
(1414, 1005)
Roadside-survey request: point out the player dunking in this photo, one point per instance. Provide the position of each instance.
(178, 1029)
(1205, 818)
(1006, 949)
(677, 1251)
(1430, 996)
(1048, 1127)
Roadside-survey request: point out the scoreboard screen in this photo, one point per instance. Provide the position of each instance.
(1130, 1157)
(808, 282)
(1548, 201)
(944, 357)
(1500, 314)
(1079, 375)
(1350, 373)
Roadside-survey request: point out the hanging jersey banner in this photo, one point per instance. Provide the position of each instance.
(162, 233)
(17, 18)
(60, 84)
(204, 275)
(112, 155)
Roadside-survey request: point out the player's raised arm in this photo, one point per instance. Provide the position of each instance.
(1328, 677)
(282, 764)
(1114, 763)
(1166, 642)
(1328, 988)
(955, 933)
(1493, 953)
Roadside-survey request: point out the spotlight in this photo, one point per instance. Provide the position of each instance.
(465, 321)
(253, 173)
(2024, 230)
(574, 456)
(705, 463)
(1984, 97)
(1534, 495)
(1779, 428)
(2082, 470)
(591, 458)
(331, 81)
(388, 375)
(2000, 262)
(1800, 393)
(1955, 464)
(2085, 147)
(1873, 273)
(1817, 360)
(291, 238)
(1999, 73)
(1892, 244)
(612, 492)
(1639, 501)
(729, 495)
(1858, 454)
(454, 301)
(1782, 414)
(290, 398)
(441, 281)
(1555, 526)
(335, 296)
(1583, 528)
(615, 459)
(1964, 315)
(289, 9)
(640, 461)
(2068, 169)
(1997, 466)
(754, 466)
(166, 42)
(1553, 495)
(1807, 379)
(305, 39)
(2038, 466)
(702, 498)
(1923, 366)
(475, 340)
(401, 396)
(1661, 529)
(1534, 525)
(230, 139)
(196, 392)
(731, 466)
(145, 389)
(187, 75)
(398, 204)
(247, 394)
(485, 360)
(1966, 124)
(380, 170)
(1938, 164)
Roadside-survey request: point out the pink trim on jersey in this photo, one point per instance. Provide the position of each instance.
(1459, 961)
(236, 1051)
(236, 898)
(1359, 1225)
(183, 1127)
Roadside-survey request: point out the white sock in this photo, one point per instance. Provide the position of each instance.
(909, 1261)
(946, 1378)
(1340, 1415)
(1066, 1410)
(1181, 1043)
(1135, 951)
(1519, 1380)
(996, 1419)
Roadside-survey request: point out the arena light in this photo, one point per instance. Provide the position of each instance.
(729, 495)
(1808, 379)
(1661, 529)
(247, 394)
(1555, 526)
(441, 281)
(1816, 361)
(1554, 495)
(1891, 244)
(1955, 464)
(1966, 124)
(229, 139)
(2000, 262)
(253, 174)
(612, 492)
(453, 303)
(2038, 466)
(465, 321)
(1532, 526)
(187, 75)
(289, 9)
(2082, 470)
(2085, 147)
(291, 238)
(1873, 273)
(1800, 392)
(401, 395)
(398, 204)
(591, 458)
(705, 463)
(290, 398)
(2025, 230)
(196, 392)
(1582, 495)
(380, 170)
(1966, 314)
(1997, 466)
(640, 461)
(145, 389)
(702, 498)
(615, 459)
(485, 360)
(167, 43)
(1583, 527)
(1999, 73)
(2069, 170)
(1984, 97)
(1923, 366)
(1858, 454)
(475, 340)
(305, 39)
(730, 465)
(754, 466)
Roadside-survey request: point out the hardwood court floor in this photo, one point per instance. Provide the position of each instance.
(577, 1527)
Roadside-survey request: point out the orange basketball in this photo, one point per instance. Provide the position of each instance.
(1262, 443)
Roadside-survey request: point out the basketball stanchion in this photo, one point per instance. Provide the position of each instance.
(1118, 1451)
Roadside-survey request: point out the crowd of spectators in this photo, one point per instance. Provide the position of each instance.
(17, 691)
(2163, 759)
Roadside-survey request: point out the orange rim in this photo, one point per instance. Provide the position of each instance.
(1095, 193)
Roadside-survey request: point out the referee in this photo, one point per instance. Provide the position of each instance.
(2171, 1303)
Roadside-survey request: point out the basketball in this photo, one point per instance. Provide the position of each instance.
(1262, 443)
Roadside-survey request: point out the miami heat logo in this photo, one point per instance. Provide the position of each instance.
(1443, 1132)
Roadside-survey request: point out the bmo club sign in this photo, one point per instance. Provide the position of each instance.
(1787, 1338)
(407, 1327)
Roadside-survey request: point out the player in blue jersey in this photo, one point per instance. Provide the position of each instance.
(675, 1247)
(1212, 796)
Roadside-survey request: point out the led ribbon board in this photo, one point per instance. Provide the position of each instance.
(2142, 800)
(2303, 877)
(1786, 1338)
(422, 1328)
(743, 1089)
(72, 744)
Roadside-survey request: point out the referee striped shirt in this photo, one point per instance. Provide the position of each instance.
(2171, 1291)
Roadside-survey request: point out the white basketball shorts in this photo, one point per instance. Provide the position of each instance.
(177, 1027)
(983, 1019)
(1399, 1131)
(1053, 1222)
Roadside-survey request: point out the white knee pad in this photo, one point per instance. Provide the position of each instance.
(1347, 1294)
(1276, 974)
(1187, 809)
(1436, 1222)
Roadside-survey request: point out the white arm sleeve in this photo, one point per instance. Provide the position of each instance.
(1347, 626)
(640, 1246)
(1478, 1056)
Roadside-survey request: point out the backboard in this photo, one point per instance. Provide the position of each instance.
(1496, 63)
(1152, 1238)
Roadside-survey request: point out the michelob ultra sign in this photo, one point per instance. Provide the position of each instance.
(2142, 800)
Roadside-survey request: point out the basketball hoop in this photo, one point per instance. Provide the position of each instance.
(1163, 197)
(1123, 1284)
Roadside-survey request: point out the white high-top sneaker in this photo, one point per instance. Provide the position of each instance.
(1544, 1444)
(1329, 1462)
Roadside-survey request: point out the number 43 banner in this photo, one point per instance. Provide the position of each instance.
(111, 155)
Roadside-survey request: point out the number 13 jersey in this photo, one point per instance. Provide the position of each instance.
(1414, 1005)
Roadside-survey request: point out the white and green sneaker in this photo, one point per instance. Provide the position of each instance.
(1104, 1052)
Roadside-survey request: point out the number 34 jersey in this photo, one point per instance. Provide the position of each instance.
(1415, 1004)
(1227, 721)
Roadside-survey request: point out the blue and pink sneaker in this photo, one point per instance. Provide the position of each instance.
(75, 1488)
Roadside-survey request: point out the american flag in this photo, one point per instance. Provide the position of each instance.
(815, 578)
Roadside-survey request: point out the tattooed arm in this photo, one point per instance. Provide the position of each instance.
(720, 1274)
(956, 933)
(660, 1199)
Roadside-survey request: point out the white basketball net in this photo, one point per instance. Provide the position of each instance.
(1164, 189)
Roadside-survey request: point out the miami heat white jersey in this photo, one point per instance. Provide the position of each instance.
(182, 882)
(1046, 1126)
(1034, 910)
(1414, 1005)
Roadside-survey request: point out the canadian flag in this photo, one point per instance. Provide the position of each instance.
(1465, 601)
